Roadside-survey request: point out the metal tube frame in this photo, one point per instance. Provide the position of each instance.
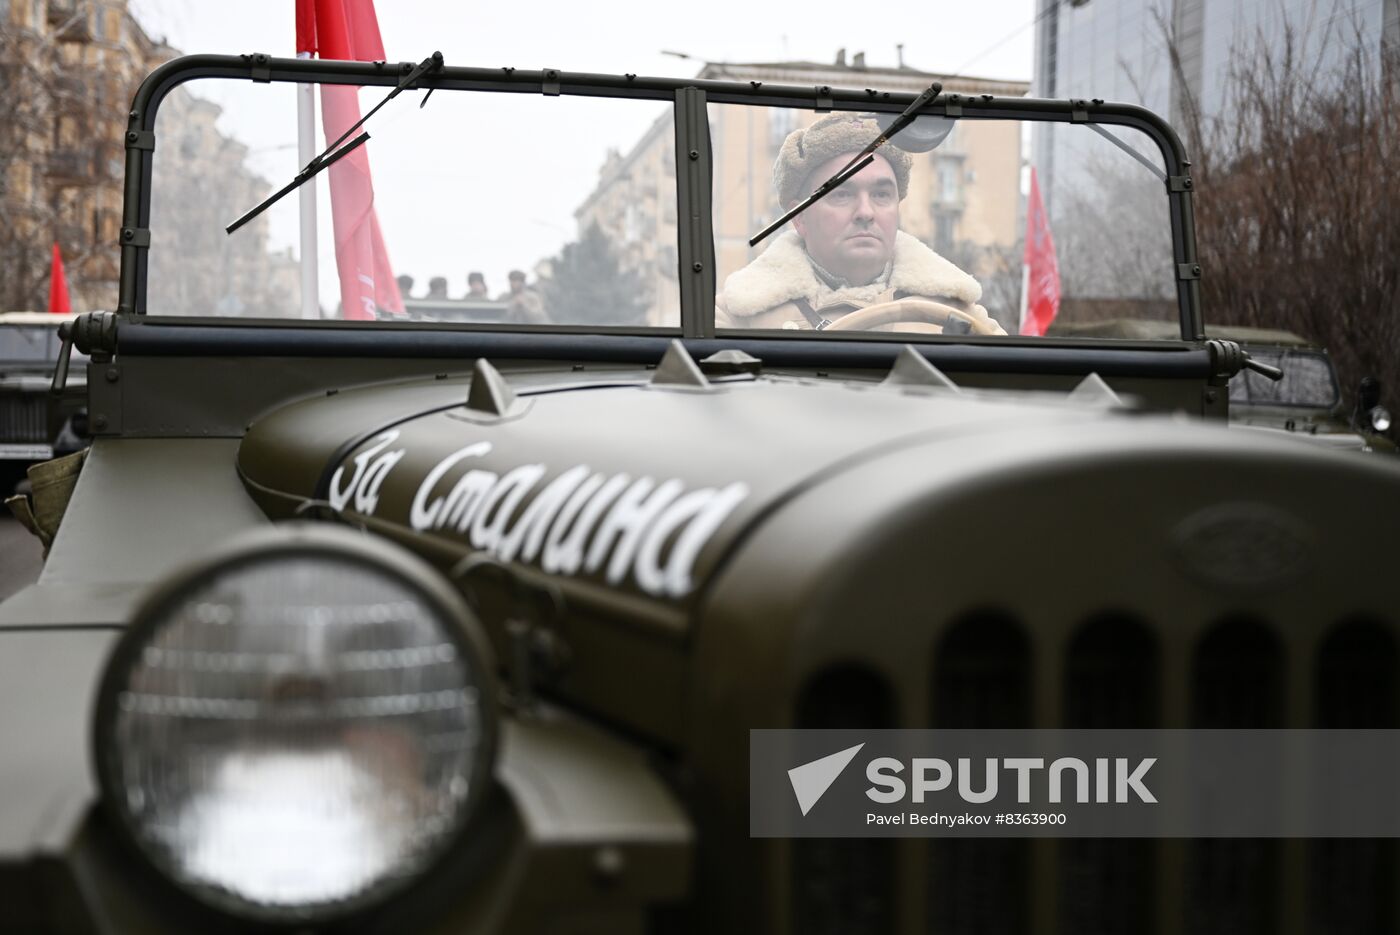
(690, 98)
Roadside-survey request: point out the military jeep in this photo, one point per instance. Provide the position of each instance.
(356, 622)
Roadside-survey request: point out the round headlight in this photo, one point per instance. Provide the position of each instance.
(299, 726)
(1380, 418)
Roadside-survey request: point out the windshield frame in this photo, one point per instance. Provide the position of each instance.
(694, 169)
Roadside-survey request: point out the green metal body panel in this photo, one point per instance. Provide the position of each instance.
(141, 507)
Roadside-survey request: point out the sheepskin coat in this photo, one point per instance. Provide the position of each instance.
(764, 293)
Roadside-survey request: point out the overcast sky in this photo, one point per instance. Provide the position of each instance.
(993, 39)
(629, 35)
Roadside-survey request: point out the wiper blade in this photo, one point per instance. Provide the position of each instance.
(313, 168)
(858, 162)
(331, 154)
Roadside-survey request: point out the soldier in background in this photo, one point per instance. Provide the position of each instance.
(526, 306)
(405, 285)
(437, 287)
(476, 287)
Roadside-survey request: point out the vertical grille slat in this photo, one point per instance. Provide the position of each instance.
(981, 679)
(844, 886)
(1112, 679)
(1237, 681)
(1350, 882)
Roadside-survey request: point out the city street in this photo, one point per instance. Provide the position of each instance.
(21, 556)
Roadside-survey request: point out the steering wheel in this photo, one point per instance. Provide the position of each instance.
(912, 311)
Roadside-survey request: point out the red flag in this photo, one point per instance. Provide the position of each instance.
(306, 28)
(58, 285)
(1040, 286)
(348, 29)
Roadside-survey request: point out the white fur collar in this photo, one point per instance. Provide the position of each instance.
(783, 272)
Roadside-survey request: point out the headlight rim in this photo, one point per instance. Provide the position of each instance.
(269, 544)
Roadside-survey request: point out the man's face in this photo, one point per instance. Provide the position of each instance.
(851, 231)
(517, 284)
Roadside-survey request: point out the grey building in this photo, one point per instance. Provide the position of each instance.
(1119, 50)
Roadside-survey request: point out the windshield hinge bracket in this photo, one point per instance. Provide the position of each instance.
(1185, 271)
(952, 105)
(261, 72)
(92, 333)
(1079, 111)
(136, 237)
(550, 87)
(141, 139)
(1227, 358)
(1179, 183)
(824, 102)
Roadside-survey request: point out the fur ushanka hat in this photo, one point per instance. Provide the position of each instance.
(831, 136)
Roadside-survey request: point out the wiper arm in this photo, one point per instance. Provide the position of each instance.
(858, 162)
(1151, 167)
(330, 155)
(313, 168)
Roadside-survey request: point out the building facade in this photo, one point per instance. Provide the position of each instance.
(70, 69)
(634, 205)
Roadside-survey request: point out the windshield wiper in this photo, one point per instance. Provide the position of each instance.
(312, 169)
(330, 155)
(858, 162)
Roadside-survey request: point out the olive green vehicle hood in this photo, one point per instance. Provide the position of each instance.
(619, 484)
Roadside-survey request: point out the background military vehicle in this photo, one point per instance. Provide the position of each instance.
(34, 425)
(1307, 400)
(393, 626)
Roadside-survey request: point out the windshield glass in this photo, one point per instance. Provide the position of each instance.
(510, 209)
(941, 217)
(1308, 380)
(531, 210)
(28, 344)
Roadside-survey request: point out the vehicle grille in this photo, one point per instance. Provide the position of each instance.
(24, 419)
(1115, 672)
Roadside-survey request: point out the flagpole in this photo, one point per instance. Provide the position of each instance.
(306, 151)
(1026, 257)
(1025, 294)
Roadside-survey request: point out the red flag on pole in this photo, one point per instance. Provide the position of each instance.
(1040, 284)
(58, 285)
(348, 29)
(306, 28)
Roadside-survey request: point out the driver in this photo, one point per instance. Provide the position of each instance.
(845, 252)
